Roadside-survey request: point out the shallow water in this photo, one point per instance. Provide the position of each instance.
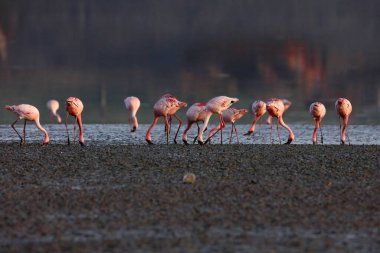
(120, 134)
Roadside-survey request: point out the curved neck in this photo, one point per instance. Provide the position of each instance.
(282, 123)
(46, 138)
(207, 119)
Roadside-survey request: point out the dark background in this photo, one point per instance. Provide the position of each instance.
(103, 51)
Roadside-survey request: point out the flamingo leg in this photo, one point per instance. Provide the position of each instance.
(340, 132)
(170, 124)
(167, 128)
(222, 125)
(24, 132)
(184, 138)
(180, 124)
(320, 129)
(75, 126)
(67, 130)
(270, 135)
(232, 131)
(199, 129)
(13, 126)
(236, 133)
(278, 133)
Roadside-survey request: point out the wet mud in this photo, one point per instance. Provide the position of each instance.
(131, 198)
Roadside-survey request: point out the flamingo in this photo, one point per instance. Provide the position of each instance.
(194, 114)
(132, 104)
(276, 108)
(259, 109)
(216, 105)
(230, 115)
(343, 108)
(318, 111)
(27, 113)
(287, 104)
(53, 106)
(74, 107)
(166, 106)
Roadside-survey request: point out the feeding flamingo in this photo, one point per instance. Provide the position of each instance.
(166, 106)
(259, 109)
(74, 107)
(276, 108)
(230, 115)
(216, 105)
(27, 113)
(343, 108)
(132, 104)
(53, 106)
(194, 114)
(287, 104)
(318, 111)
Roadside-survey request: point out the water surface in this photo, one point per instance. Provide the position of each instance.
(99, 134)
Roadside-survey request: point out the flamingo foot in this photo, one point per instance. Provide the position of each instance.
(248, 133)
(149, 142)
(201, 143)
(314, 142)
(289, 141)
(133, 129)
(342, 142)
(45, 144)
(22, 142)
(185, 142)
(208, 140)
(175, 141)
(81, 143)
(68, 141)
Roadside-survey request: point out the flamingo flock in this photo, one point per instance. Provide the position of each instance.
(201, 112)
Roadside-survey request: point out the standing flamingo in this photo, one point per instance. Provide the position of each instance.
(287, 104)
(166, 106)
(344, 108)
(27, 112)
(259, 109)
(194, 114)
(53, 106)
(276, 108)
(74, 107)
(318, 111)
(216, 105)
(230, 115)
(132, 104)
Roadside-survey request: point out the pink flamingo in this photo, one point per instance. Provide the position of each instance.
(259, 109)
(74, 107)
(230, 115)
(318, 111)
(194, 114)
(276, 108)
(344, 108)
(166, 106)
(27, 113)
(53, 106)
(132, 104)
(216, 105)
(287, 104)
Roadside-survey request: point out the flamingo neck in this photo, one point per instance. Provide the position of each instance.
(207, 119)
(46, 138)
(282, 123)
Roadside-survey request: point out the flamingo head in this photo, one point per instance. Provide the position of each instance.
(182, 104)
(8, 107)
(234, 100)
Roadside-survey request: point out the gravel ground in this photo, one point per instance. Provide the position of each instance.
(130, 198)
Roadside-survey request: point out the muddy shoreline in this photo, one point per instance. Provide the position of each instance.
(119, 198)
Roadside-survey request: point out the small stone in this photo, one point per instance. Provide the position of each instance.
(189, 178)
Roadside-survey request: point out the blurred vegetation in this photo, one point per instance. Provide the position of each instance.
(103, 51)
